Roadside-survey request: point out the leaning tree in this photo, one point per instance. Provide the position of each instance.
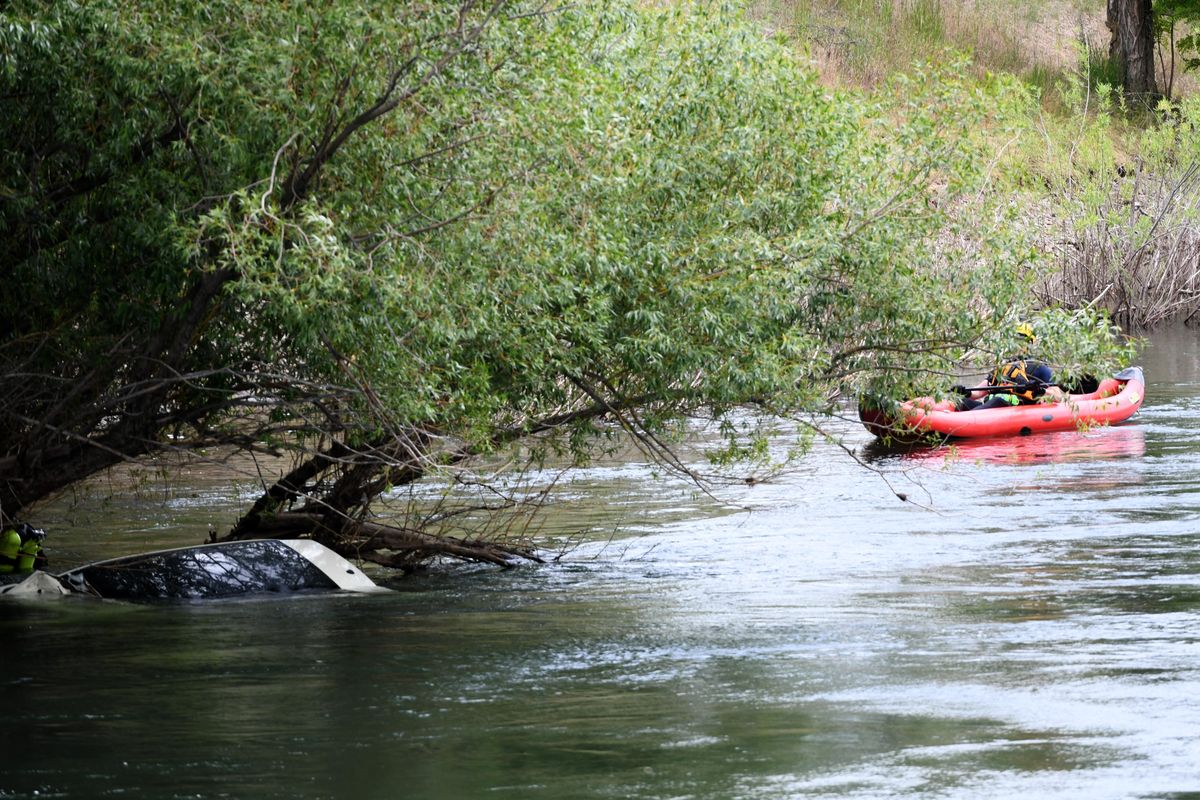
(387, 239)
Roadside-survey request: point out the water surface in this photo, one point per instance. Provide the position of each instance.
(1027, 623)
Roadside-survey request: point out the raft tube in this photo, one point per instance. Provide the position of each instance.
(1115, 400)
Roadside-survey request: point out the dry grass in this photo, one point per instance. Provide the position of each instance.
(1138, 255)
(860, 43)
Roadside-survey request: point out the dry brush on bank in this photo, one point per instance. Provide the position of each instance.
(1136, 253)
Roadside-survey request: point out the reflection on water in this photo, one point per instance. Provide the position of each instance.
(1099, 444)
(1026, 623)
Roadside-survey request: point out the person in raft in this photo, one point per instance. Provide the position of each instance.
(1026, 380)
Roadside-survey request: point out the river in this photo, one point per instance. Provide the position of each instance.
(1026, 624)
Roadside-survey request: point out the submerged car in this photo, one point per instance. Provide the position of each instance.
(225, 569)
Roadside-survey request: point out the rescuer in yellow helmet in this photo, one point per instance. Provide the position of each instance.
(1019, 381)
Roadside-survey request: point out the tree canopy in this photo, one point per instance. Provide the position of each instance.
(390, 237)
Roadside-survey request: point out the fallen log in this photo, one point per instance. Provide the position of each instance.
(379, 543)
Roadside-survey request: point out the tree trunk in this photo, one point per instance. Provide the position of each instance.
(1132, 49)
(327, 496)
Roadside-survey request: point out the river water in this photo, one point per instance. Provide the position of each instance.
(1027, 624)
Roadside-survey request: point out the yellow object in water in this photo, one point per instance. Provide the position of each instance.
(27, 555)
(10, 550)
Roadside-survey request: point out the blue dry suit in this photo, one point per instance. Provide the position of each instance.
(1027, 377)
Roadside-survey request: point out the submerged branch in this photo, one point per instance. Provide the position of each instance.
(380, 543)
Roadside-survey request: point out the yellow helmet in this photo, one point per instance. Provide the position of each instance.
(1026, 330)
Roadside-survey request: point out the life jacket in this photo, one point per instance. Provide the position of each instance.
(1016, 375)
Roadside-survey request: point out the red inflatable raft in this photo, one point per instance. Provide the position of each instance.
(1115, 400)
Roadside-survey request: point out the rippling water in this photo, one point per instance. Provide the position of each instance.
(1028, 623)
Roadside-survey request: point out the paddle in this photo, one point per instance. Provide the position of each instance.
(1037, 386)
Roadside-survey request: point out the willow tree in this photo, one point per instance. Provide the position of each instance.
(389, 238)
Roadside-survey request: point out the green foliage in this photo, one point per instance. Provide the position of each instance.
(1168, 17)
(646, 212)
(1101, 69)
(1080, 342)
